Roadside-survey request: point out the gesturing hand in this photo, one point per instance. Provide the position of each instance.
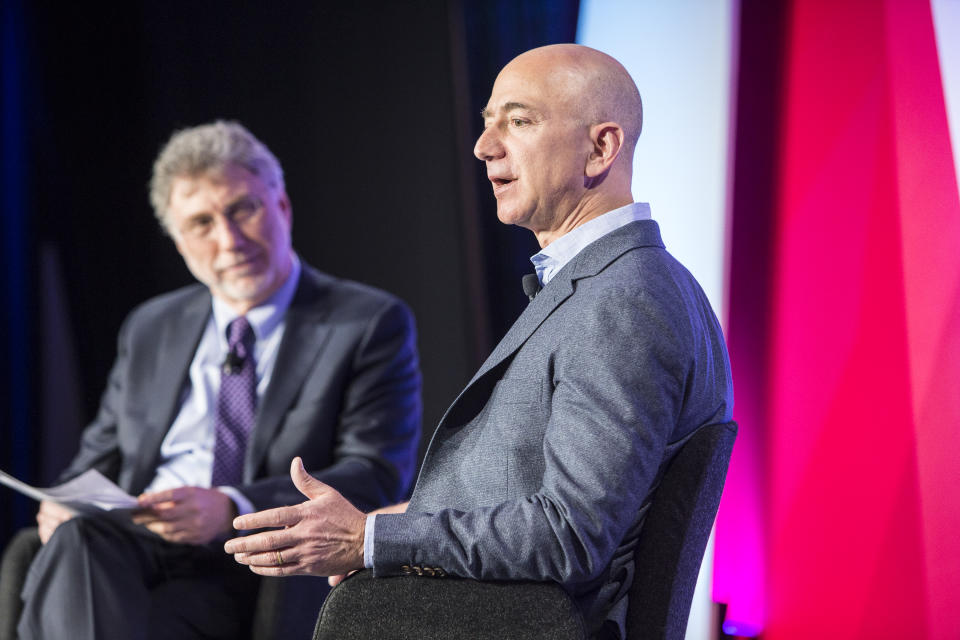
(336, 579)
(322, 536)
(189, 515)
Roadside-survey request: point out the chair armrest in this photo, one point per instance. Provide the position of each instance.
(423, 608)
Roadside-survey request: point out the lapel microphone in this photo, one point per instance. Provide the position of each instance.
(232, 363)
(531, 285)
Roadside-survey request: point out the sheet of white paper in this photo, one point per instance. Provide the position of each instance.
(89, 489)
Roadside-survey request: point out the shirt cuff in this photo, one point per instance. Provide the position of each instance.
(368, 541)
(243, 505)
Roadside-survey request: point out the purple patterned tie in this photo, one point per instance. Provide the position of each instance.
(236, 404)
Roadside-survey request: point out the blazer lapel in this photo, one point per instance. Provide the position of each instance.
(303, 339)
(475, 393)
(178, 342)
(590, 261)
(537, 311)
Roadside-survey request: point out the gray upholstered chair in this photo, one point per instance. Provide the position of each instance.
(13, 573)
(668, 557)
(286, 607)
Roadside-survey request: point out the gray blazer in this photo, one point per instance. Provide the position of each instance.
(543, 466)
(345, 394)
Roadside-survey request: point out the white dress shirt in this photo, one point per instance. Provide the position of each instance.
(558, 253)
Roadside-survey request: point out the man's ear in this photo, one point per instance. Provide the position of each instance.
(283, 203)
(607, 140)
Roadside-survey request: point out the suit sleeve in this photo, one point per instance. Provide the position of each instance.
(617, 389)
(378, 426)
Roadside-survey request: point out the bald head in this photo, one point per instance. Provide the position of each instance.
(560, 129)
(592, 84)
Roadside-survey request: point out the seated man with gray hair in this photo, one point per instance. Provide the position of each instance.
(215, 388)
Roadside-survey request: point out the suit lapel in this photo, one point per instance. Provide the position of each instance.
(471, 399)
(589, 262)
(532, 317)
(177, 342)
(303, 338)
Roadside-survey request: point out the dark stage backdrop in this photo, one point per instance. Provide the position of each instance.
(372, 108)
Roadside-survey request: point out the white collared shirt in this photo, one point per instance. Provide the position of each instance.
(558, 253)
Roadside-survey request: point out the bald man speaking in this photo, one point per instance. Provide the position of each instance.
(543, 466)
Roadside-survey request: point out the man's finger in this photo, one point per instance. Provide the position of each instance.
(45, 531)
(144, 517)
(168, 495)
(303, 481)
(166, 511)
(279, 517)
(55, 510)
(266, 541)
(166, 528)
(335, 580)
(163, 529)
(272, 558)
(274, 572)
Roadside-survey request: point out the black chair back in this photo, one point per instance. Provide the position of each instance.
(674, 535)
(668, 555)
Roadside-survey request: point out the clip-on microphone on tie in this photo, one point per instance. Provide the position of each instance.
(232, 363)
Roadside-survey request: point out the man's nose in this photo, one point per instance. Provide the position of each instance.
(229, 234)
(488, 145)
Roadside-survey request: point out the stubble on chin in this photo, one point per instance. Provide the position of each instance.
(248, 289)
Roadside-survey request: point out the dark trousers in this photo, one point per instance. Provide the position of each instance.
(105, 578)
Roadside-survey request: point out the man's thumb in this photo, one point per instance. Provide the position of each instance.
(303, 481)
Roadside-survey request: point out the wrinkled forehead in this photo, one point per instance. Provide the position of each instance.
(541, 86)
(220, 183)
(230, 177)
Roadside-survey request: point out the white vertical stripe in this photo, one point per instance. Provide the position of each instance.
(680, 54)
(946, 24)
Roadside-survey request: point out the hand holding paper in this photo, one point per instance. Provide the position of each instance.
(189, 515)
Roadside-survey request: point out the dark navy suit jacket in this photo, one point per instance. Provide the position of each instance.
(344, 395)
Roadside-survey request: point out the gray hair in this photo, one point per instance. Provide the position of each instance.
(196, 151)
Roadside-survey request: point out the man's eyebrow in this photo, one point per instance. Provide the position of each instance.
(505, 108)
(242, 201)
(510, 106)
